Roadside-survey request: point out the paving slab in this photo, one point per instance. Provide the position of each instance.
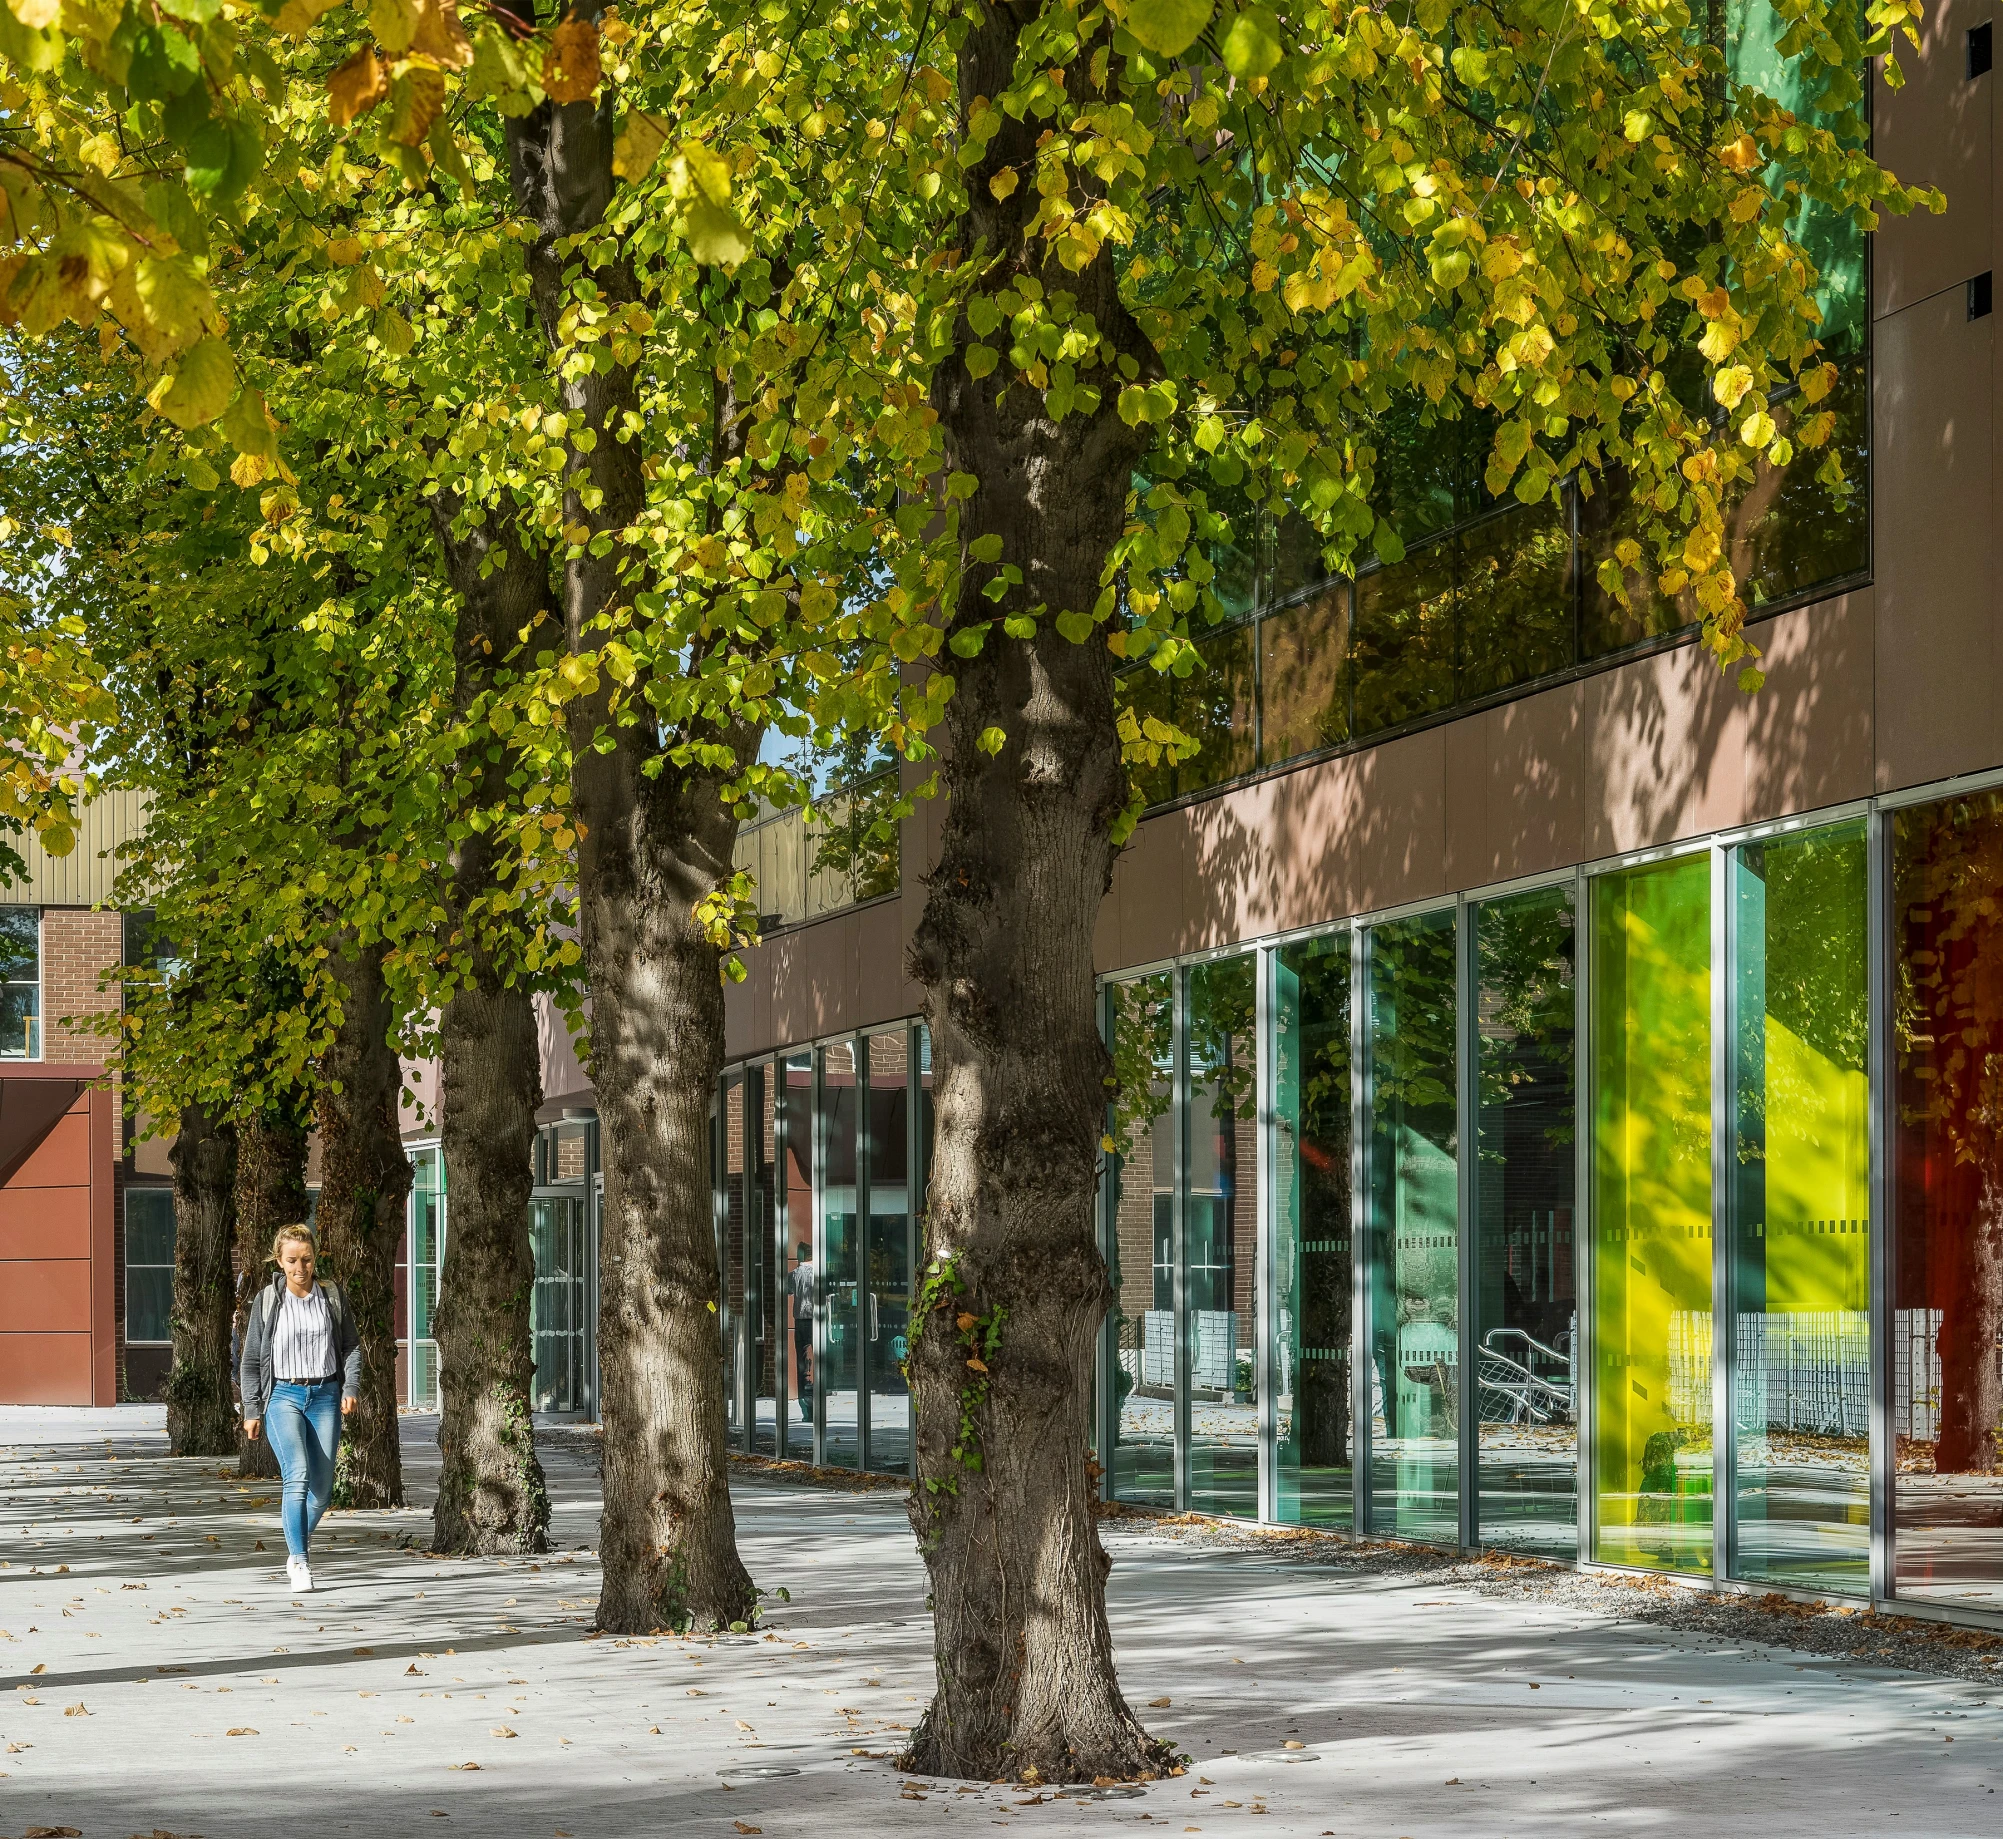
(159, 1678)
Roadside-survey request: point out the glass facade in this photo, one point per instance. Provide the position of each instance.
(20, 983)
(1946, 1381)
(149, 1264)
(1412, 1227)
(1651, 1062)
(1602, 1218)
(1312, 1366)
(1522, 1199)
(563, 1324)
(425, 1239)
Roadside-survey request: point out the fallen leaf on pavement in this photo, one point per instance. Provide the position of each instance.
(53, 1832)
(40, 1666)
(742, 1828)
(241, 1730)
(500, 1730)
(1158, 1704)
(463, 1765)
(78, 1710)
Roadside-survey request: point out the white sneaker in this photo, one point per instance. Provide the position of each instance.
(301, 1576)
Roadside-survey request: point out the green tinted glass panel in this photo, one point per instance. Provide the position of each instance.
(1651, 996)
(1403, 657)
(1526, 1258)
(1801, 1212)
(887, 1255)
(1414, 1229)
(1220, 1237)
(1303, 679)
(1141, 1242)
(1215, 708)
(1313, 1270)
(841, 1421)
(1514, 589)
(149, 1225)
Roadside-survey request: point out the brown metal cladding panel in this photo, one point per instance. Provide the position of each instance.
(1234, 865)
(1811, 731)
(62, 1158)
(45, 1296)
(1933, 484)
(1147, 888)
(1665, 751)
(1516, 790)
(1386, 837)
(880, 953)
(44, 1223)
(45, 1369)
(831, 974)
(104, 1271)
(1938, 130)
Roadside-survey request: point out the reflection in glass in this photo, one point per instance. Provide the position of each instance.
(1312, 1227)
(1215, 707)
(425, 1239)
(841, 1416)
(1801, 1212)
(761, 1285)
(556, 1303)
(1220, 1237)
(149, 1264)
(1404, 640)
(1651, 999)
(1413, 1197)
(1141, 1168)
(887, 1255)
(797, 1295)
(1513, 594)
(1947, 1166)
(1526, 1326)
(1302, 683)
(731, 1235)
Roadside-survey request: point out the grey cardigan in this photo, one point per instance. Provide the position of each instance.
(254, 1375)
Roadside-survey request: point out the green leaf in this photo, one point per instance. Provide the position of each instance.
(1251, 46)
(714, 235)
(1169, 27)
(200, 388)
(980, 360)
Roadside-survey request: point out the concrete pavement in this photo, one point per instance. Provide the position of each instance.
(158, 1676)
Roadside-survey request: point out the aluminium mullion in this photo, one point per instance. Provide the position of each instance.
(917, 1155)
(1360, 1361)
(1178, 1225)
(1724, 1498)
(1883, 1249)
(778, 1326)
(859, 1234)
(818, 1246)
(1264, 1311)
(1585, 1323)
(1467, 1126)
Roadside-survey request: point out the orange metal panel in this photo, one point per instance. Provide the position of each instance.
(45, 1223)
(45, 1369)
(45, 1296)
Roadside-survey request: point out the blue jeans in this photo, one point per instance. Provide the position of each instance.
(304, 1425)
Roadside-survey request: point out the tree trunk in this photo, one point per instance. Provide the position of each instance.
(1971, 1322)
(270, 1193)
(201, 1391)
(650, 849)
(1015, 1286)
(364, 1182)
(491, 1492)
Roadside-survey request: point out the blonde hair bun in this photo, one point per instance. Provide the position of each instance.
(288, 1235)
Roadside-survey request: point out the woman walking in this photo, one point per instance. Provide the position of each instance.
(301, 1374)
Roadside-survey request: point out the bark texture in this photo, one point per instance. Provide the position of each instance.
(201, 1390)
(1014, 1279)
(650, 850)
(364, 1182)
(1971, 1325)
(270, 1193)
(491, 1492)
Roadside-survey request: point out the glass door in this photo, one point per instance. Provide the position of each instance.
(557, 1314)
(887, 1254)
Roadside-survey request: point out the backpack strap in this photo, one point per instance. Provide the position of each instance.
(267, 1304)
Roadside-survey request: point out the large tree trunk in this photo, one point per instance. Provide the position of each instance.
(650, 850)
(270, 1193)
(201, 1392)
(1015, 1286)
(364, 1183)
(1971, 1321)
(491, 1492)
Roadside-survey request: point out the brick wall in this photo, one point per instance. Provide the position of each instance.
(78, 946)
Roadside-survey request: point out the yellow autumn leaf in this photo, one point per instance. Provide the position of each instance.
(36, 15)
(714, 235)
(442, 35)
(417, 99)
(1003, 184)
(298, 17)
(639, 145)
(570, 72)
(356, 87)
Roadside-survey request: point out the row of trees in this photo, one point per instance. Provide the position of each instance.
(466, 456)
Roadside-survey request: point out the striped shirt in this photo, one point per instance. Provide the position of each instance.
(302, 1341)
